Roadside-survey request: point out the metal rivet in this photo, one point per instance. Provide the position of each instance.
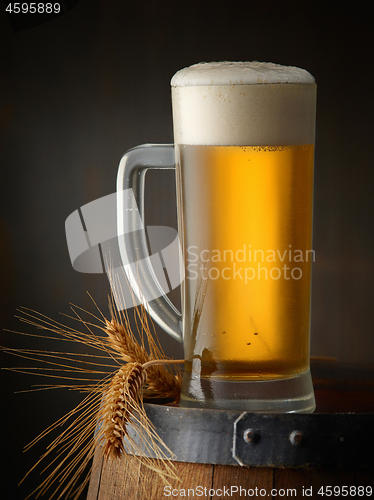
(251, 436)
(297, 438)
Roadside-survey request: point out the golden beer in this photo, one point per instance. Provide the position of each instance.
(247, 246)
(244, 144)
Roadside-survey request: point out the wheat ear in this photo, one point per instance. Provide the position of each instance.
(161, 382)
(123, 402)
(123, 394)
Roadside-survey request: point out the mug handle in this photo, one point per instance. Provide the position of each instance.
(131, 175)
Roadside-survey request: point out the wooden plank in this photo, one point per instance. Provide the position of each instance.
(190, 477)
(238, 479)
(93, 489)
(307, 482)
(130, 480)
(119, 479)
(294, 479)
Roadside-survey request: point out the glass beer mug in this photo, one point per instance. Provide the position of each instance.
(243, 157)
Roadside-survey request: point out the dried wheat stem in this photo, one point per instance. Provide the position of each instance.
(162, 362)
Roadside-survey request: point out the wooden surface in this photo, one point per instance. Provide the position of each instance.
(337, 389)
(116, 482)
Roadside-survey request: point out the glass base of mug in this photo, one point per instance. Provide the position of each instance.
(291, 395)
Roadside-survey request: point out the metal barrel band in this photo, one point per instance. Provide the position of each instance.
(225, 437)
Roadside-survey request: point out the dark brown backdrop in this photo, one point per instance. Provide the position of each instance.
(79, 91)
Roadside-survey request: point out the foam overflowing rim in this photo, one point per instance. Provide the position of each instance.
(240, 73)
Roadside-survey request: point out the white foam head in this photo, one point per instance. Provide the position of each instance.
(243, 103)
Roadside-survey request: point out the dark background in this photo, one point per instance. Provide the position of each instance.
(80, 90)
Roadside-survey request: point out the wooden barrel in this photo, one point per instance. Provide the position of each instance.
(230, 454)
